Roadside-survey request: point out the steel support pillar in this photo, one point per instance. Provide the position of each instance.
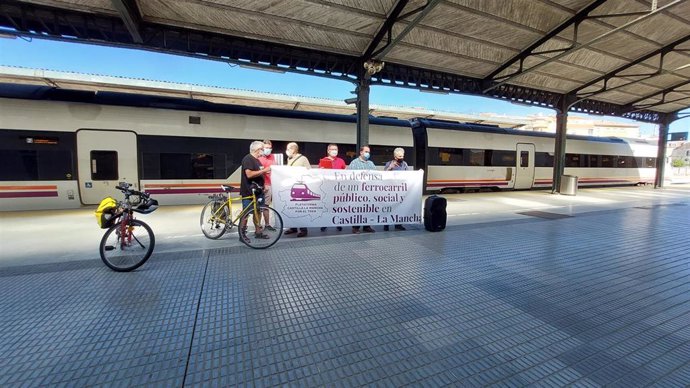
(363, 110)
(661, 153)
(559, 149)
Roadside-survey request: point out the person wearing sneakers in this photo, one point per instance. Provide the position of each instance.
(397, 164)
(295, 159)
(362, 163)
(267, 159)
(332, 161)
(252, 173)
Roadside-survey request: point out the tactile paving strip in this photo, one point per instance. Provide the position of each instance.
(602, 299)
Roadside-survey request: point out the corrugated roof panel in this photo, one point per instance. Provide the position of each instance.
(533, 15)
(457, 45)
(105, 6)
(381, 7)
(255, 26)
(451, 64)
(479, 26)
(470, 38)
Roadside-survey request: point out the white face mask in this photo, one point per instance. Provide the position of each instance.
(288, 153)
(333, 153)
(267, 151)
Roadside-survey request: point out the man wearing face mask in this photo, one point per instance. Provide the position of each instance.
(267, 159)
(397, 164)
(362, 163)
(252, 172)
(295, 159)
(332, 161)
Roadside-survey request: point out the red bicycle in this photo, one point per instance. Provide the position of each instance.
(128, 242)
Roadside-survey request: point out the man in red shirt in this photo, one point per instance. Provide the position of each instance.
(267, 159)
(332, 161)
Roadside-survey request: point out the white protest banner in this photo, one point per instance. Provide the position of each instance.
(321, 197)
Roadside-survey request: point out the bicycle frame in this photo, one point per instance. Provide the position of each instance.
(254, 206)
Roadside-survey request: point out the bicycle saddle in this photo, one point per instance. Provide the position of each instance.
(227, 188)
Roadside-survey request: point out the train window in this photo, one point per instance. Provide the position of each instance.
(524, 158)
(35, 156)
(543, 159)
(592, 161)
(626, 162)
(104, 166)
(445, 156)
(475, 158)
(500, 158)
(574, 160)
(649, 162)
(202, 166)
(633, 162)
(187, 166)
(607, 160)
(18, 165)
(55, 165)
(173, 157)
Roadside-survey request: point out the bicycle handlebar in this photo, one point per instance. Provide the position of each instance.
(128, 191)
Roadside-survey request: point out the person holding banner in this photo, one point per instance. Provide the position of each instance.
(267, 159)
(397, 164)
(296, 159)
(332, 161)
(362, 163)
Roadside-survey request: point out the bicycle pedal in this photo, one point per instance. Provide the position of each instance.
(109, 248)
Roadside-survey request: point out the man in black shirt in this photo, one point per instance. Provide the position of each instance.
(252, 172)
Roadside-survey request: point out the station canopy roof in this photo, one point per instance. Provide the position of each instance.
(627, 58)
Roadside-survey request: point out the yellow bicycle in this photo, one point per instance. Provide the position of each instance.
(261, 225)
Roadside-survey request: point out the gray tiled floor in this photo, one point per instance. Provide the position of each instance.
(600, 298)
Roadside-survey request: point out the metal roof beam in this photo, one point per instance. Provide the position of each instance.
(386, 29)
(577, 46)
(388, 47)
(614, 73)
(131, 17)
(529, 51)
(663, 93)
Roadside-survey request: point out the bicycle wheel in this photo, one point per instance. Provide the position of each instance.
(268, 232)
(128, 250)
(214, 219)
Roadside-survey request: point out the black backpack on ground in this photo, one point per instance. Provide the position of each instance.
(435, 213)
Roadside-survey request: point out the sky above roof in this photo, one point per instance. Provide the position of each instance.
(104, 60)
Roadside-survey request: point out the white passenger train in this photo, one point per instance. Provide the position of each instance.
(470, 156)
(72, 149)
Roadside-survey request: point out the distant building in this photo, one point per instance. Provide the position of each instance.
(584, 126)
(681, 152)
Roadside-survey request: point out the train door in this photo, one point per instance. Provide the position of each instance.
(105, 158)
(524, 168)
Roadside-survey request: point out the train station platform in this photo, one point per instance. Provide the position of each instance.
(521, 289)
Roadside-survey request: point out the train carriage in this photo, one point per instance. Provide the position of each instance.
(65, 154)
(459, 155)
(65, 149)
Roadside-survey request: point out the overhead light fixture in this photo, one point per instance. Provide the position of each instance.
(373, 66)
(256, 66)
(433, 91)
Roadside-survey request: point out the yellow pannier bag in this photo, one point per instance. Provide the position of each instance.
(105, 212)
